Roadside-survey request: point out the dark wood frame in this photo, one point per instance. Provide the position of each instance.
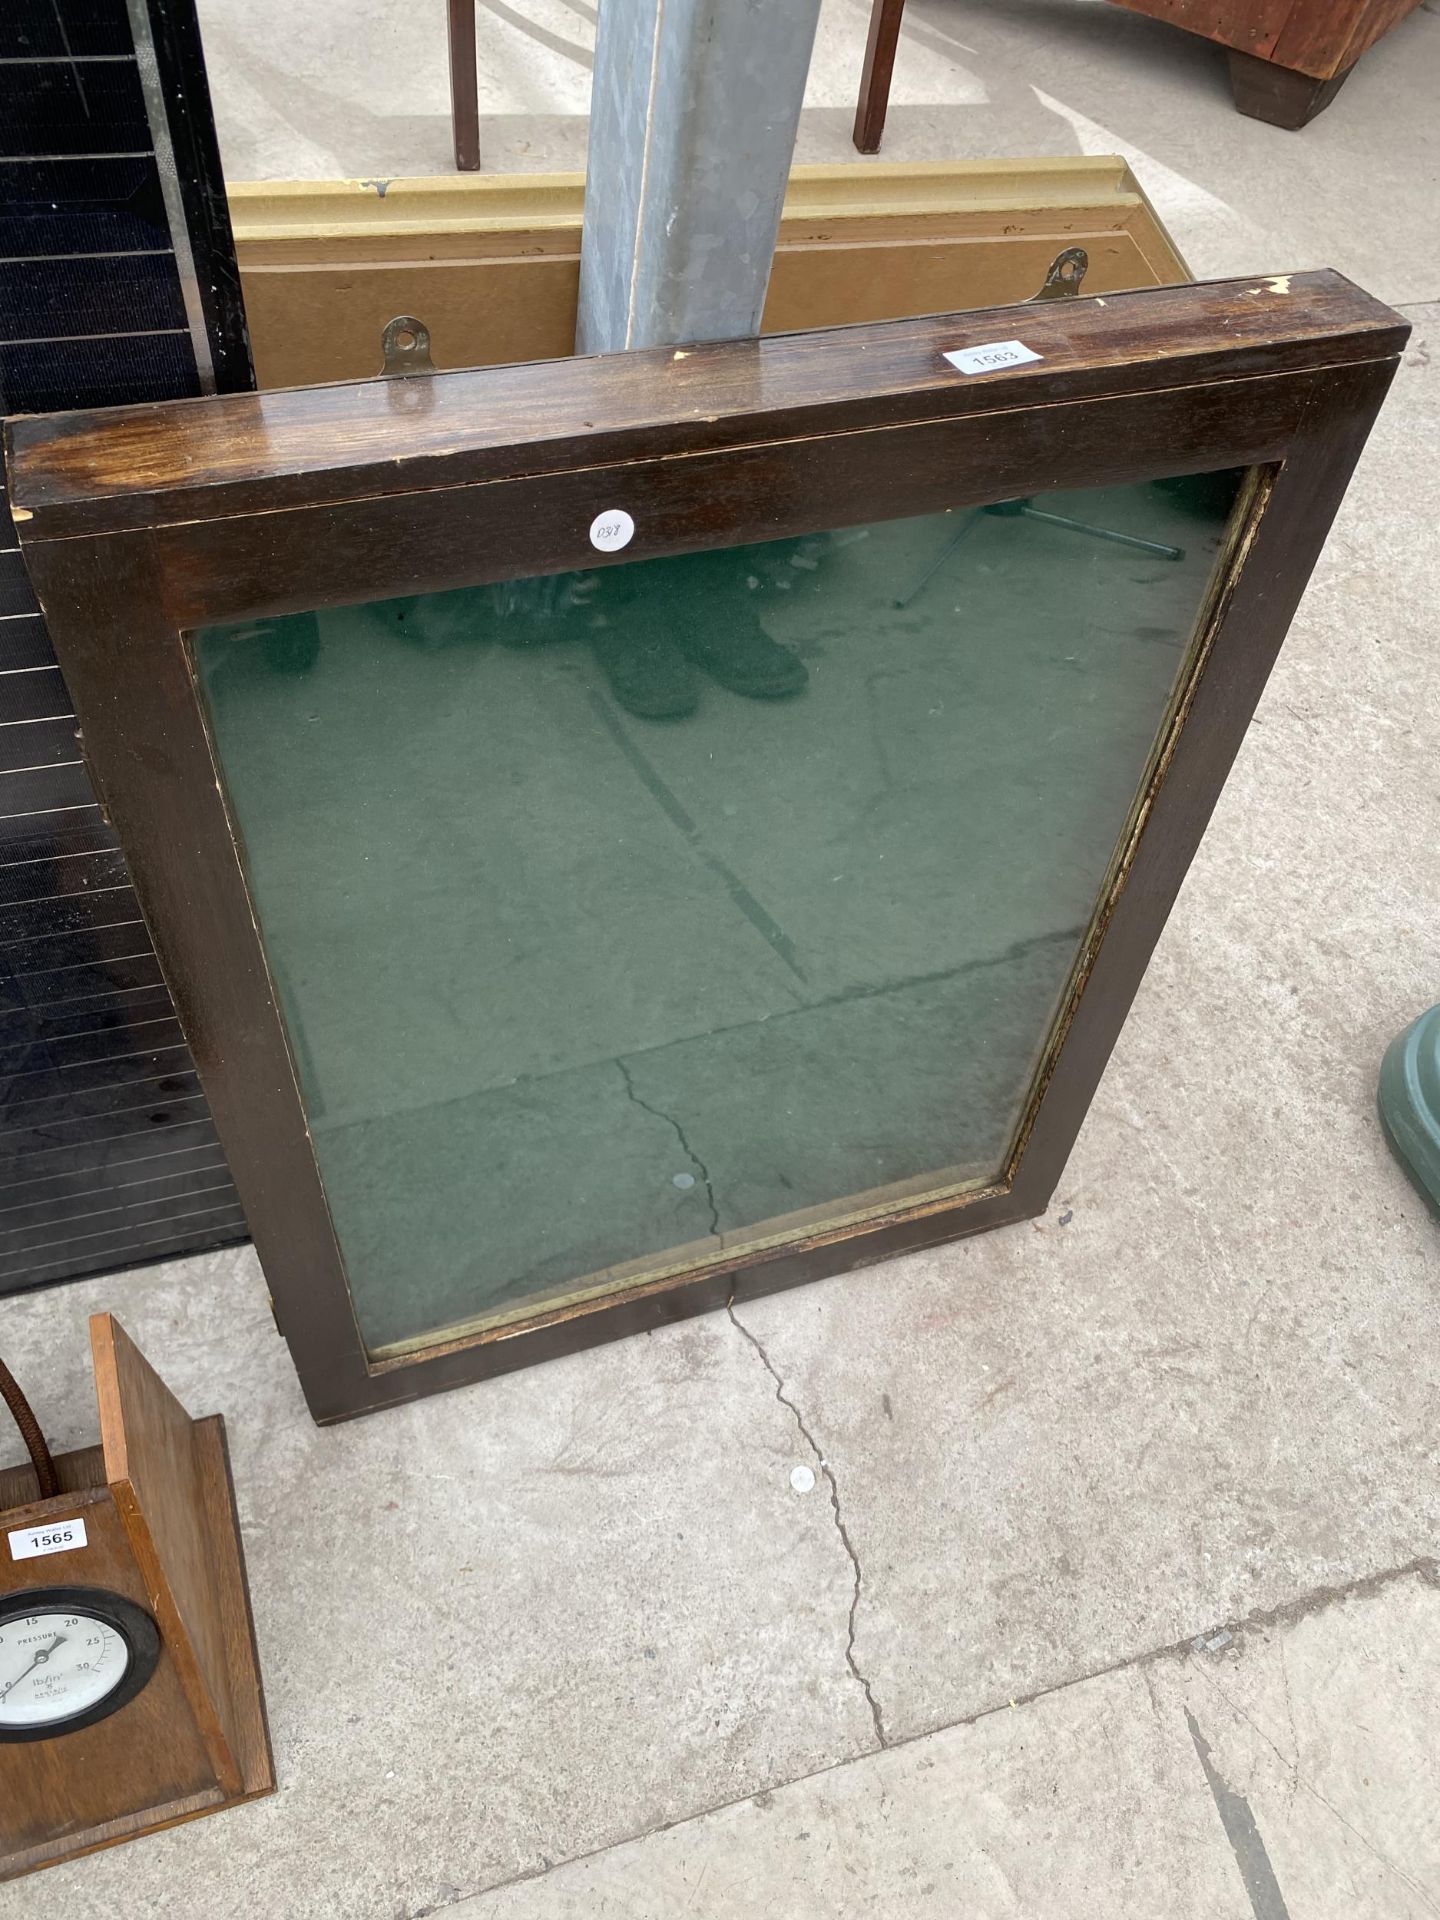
(143, 523)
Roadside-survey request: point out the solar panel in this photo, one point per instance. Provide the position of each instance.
(117, 283)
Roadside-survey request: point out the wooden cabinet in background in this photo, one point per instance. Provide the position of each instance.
(1288, 58)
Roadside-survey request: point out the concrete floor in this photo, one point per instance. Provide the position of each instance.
(570, 1643)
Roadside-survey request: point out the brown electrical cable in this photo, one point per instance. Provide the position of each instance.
(30, 1433)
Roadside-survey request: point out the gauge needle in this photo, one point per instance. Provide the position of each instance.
(39, 1660)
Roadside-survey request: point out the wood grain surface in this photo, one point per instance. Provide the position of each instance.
(152, 1463)
(1317, 37)
(77, 1472)
(131, 467)
(62, 1796)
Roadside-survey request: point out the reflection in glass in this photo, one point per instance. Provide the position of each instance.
(621, 916)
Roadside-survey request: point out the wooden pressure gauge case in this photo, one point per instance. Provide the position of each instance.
(140, 1547)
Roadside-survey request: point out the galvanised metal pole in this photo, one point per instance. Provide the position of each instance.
(692, 125)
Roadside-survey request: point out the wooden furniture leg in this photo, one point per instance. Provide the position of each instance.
(1280, 95)
(464, 86)
(874, 99)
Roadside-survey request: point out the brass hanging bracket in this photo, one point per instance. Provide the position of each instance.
(1065, 277)
(405, 347)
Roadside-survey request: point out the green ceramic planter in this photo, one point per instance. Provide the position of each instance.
(1410, 1102)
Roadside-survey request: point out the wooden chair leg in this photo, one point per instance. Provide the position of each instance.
(464, 86)
(874, 99)
(1280, 95)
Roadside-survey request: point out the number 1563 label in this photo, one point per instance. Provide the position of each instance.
(991, 358)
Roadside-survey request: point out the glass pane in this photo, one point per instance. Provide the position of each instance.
(615, 912)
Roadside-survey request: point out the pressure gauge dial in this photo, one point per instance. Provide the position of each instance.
(68, 1657)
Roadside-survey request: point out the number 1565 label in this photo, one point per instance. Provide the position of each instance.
(60, 1536)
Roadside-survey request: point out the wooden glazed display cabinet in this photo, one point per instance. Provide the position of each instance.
(630, 833)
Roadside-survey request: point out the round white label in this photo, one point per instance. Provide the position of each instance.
(612, 530)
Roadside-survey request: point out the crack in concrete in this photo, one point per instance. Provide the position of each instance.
(690, 1153)
(857, 1577)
